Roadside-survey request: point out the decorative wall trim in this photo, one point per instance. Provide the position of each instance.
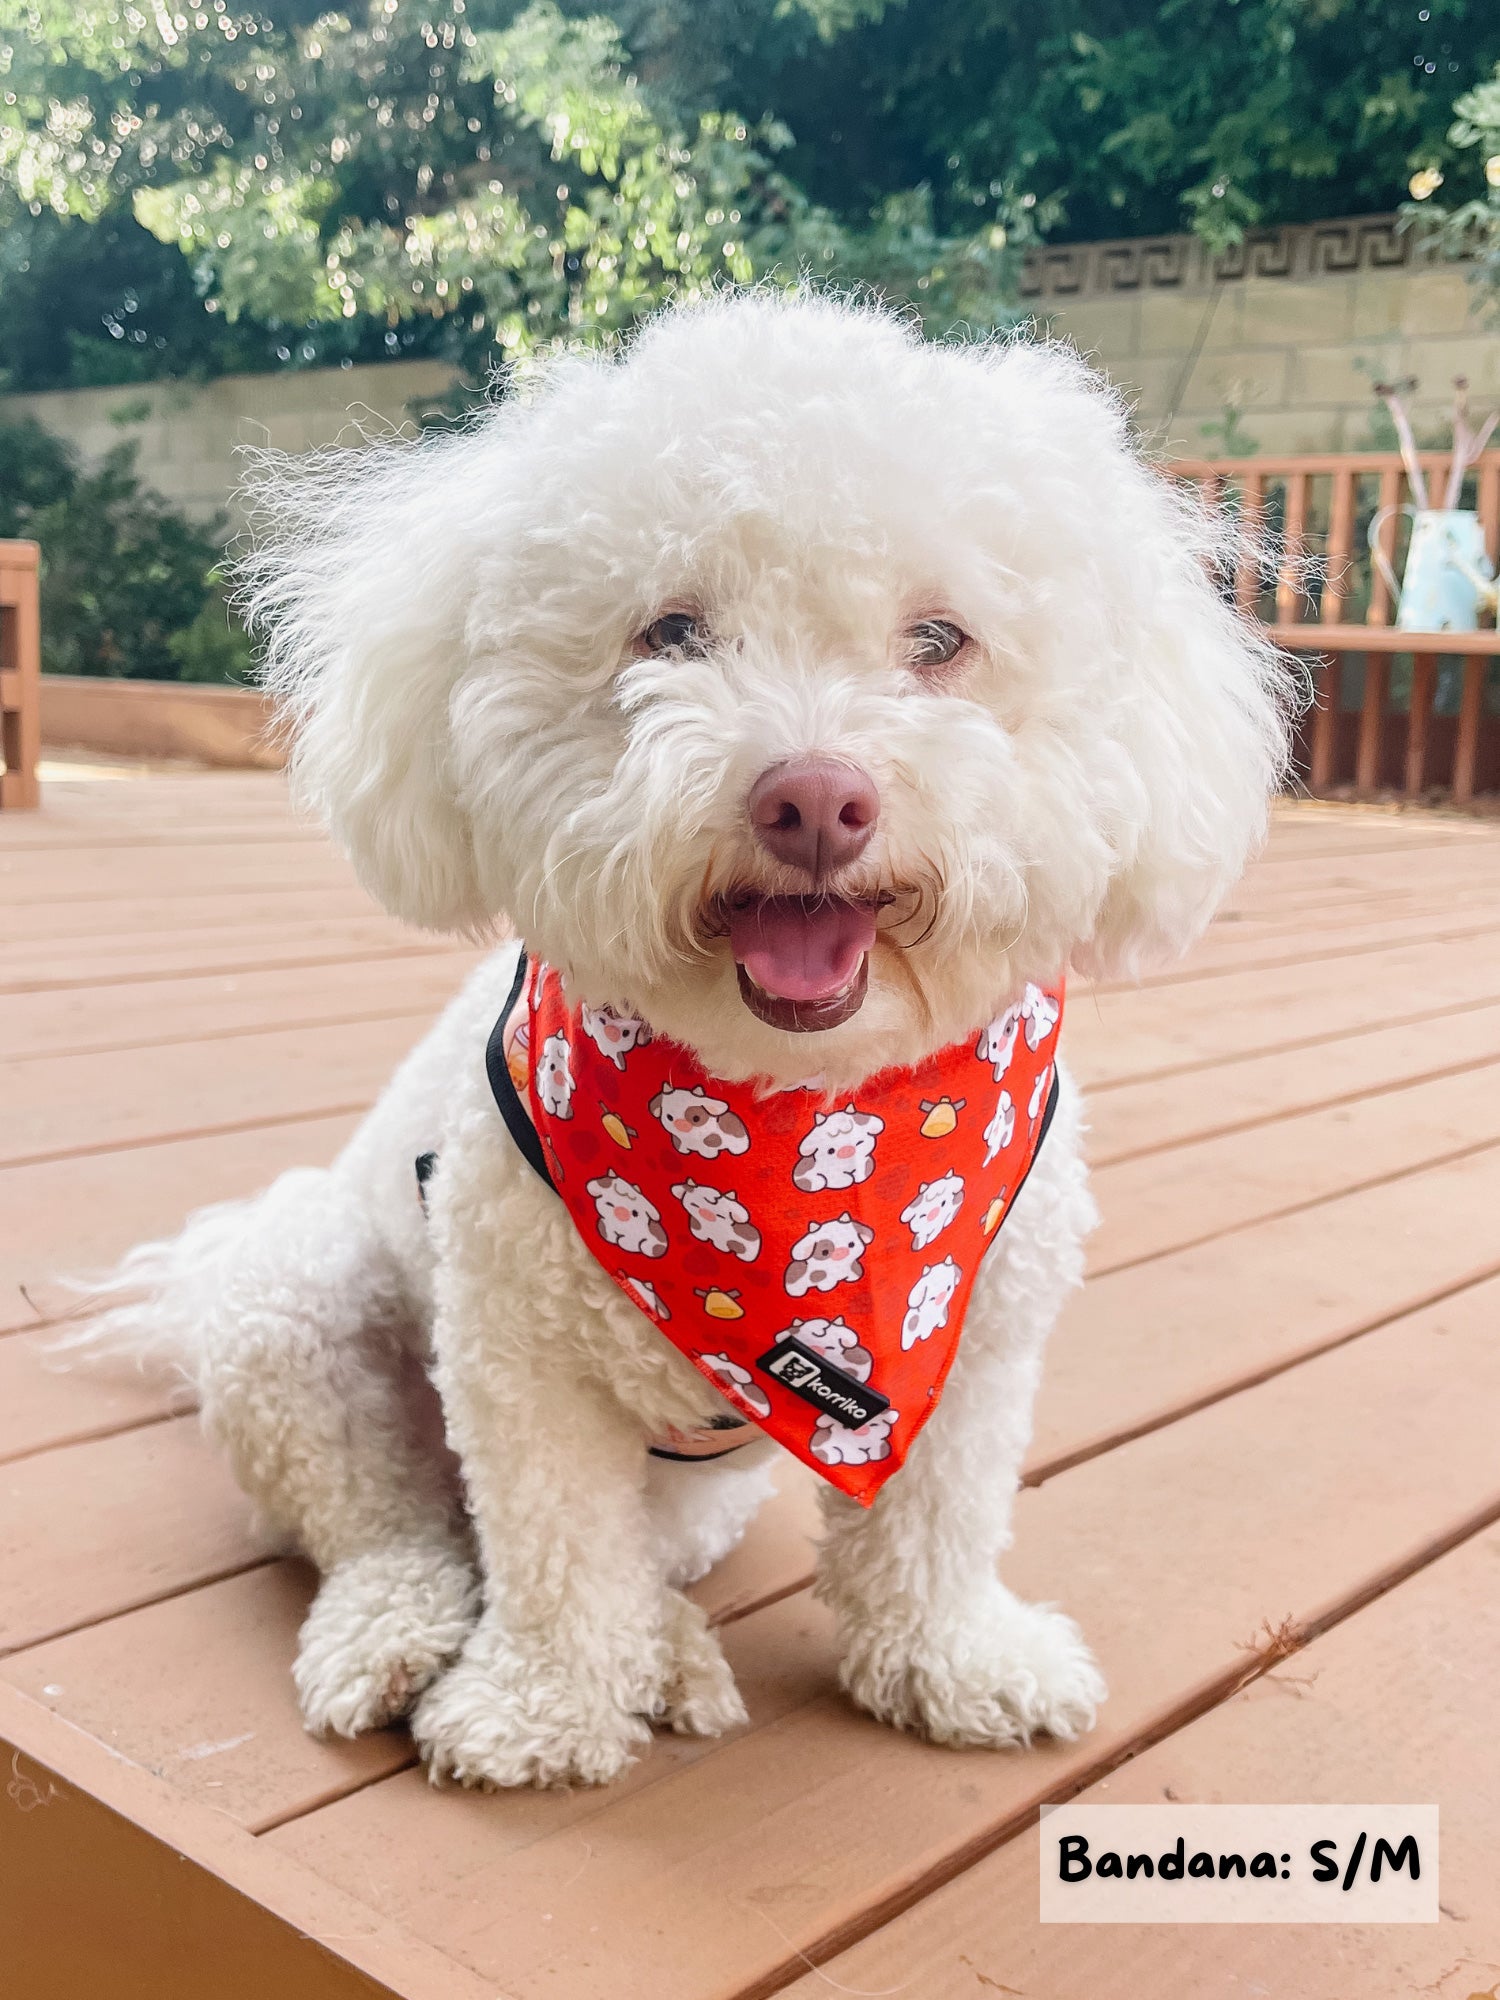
(1068, 271)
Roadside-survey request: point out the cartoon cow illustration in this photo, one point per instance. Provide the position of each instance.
(626, 1218)
(720, 1219)
(698, 1123)
(614, 1034)
(554, 1077)
(1039, 1094)
(833, 1445)
(997, 1042)
(645, 1296)
(928, 1301)
(1040, 1012)
(1001, 1128)
(839, 1151)
(932, 1208)
(828, 1255)
(836, 1342)
(736, 1383)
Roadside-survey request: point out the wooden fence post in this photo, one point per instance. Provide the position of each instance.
(1419, 721)
(1314, 622)
(1470, 717)
(20, 675)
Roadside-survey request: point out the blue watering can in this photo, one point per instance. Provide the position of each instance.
(1448, 579)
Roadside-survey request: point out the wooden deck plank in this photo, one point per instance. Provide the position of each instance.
(206, 806)
(1305, 905)
(41, 1407)
(1130, 1118)
(1141, 1345)
(92, 806)
(1135, 1348)
(1317, 1729)
(1117, 1035)
(1373, 865)
(178, 1903)
(89, 1530)
(1148, 1348)
(1300, 822)
(1245, 951)
(1303, 891)
(1112, 1034)
(56, 966)
(74, 1216)
(137, 813)
(64, 1104)
(190, 868)
(230, 1735)
(242, 826)
(139, 915)
(1363, 954)
(1163, 1201)
(228, 1732)
(784, 1838)
(1287, 877)
(1240, 949)
(207, 1008)
(1295, 903)
(56, 1107)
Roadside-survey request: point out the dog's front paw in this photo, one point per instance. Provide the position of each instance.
(698, 1694)
(380, 1629)
(1003, 1673)
(494, 1725)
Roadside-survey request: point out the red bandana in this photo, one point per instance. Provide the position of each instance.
(812, 1256)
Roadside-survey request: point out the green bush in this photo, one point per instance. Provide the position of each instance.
(129, 585)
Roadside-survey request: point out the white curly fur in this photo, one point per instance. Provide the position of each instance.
(450, 630)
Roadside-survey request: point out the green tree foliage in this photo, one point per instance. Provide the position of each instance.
(191, 185)
(128, 584)
(1127, 117)
(444, 176)
(1468, 228)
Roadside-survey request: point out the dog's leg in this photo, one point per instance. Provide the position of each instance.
(931, 1640)
(580, 1645)
(296, 1351)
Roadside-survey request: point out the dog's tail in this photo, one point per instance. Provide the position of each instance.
(166, 1306)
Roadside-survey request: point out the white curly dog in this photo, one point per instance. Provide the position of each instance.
(540, 671)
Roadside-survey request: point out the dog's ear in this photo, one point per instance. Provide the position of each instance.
(1192, 701)
(359, 580)
(1205, 724)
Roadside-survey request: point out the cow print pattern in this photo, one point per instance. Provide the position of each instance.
(736, 1220)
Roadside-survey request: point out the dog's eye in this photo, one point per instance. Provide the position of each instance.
(680, 632)
(933, 643)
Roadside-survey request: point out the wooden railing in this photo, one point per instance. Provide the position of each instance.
(20, 674)
(1405, 711)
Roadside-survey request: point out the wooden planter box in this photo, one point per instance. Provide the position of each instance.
(159, 721)
(20, 673)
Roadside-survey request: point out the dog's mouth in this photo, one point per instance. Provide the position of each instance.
(803, 961)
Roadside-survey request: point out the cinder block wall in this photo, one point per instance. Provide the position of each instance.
(190, 433)
(1289, 331)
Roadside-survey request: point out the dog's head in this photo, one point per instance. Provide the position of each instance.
(787, 674)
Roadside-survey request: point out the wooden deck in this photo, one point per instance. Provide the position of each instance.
(1269, 1424)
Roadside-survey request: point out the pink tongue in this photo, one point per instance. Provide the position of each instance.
(801, 948)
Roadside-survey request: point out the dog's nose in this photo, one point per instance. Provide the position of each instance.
(814, 813)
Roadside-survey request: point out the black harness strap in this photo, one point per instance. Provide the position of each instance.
(503, 1089)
